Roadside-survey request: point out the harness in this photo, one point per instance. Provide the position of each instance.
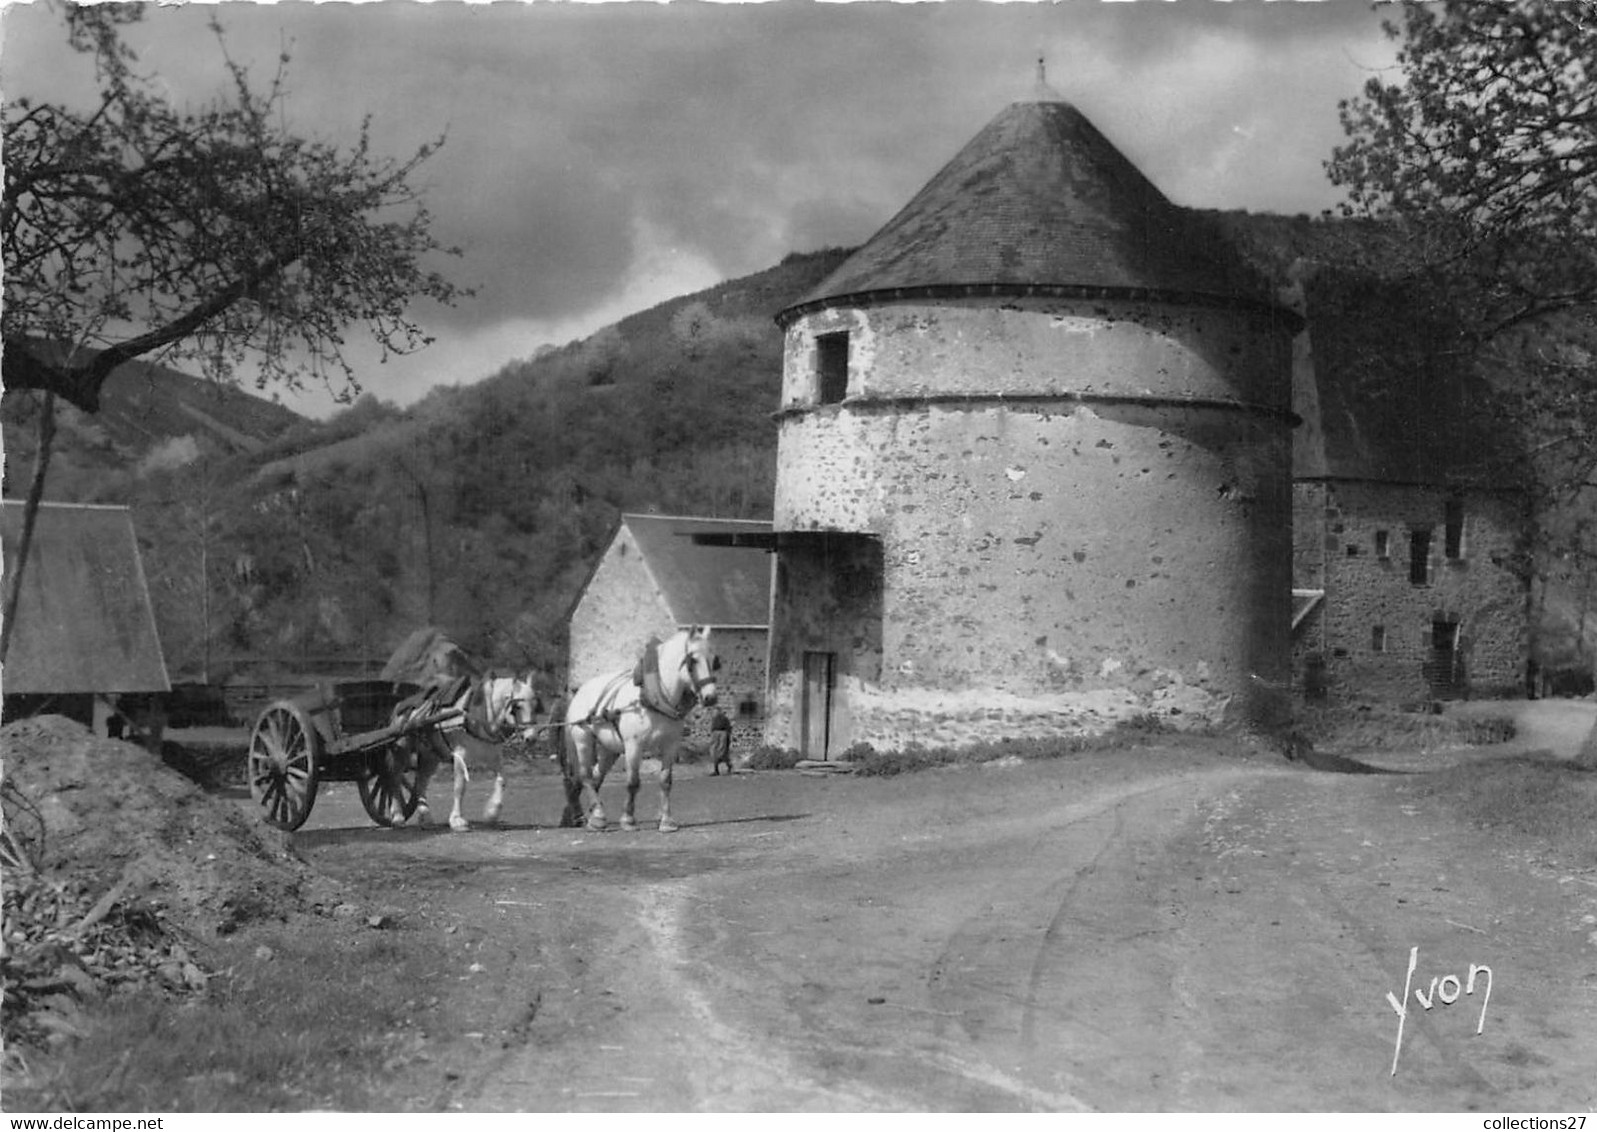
(476, 722)
(651, 696)
(466, 696)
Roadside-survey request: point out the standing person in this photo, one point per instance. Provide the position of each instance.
(720, 742)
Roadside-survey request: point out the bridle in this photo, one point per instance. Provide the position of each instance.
(699, 674)
(513, 716)
(688, 662)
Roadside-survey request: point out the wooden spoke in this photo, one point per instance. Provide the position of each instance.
(388, 788)
(282, 769)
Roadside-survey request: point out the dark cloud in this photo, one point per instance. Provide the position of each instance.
(718, 137)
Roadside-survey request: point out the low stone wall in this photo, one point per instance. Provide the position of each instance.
(894, 721)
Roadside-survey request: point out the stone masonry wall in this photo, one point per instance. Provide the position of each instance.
(828, 599)
(1051, 564)
(622, 608)
(618, 611)
(1374, 630)
(740, 688)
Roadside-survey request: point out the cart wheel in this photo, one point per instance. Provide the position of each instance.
(284, 750)
(388, 786)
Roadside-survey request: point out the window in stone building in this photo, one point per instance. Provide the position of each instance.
(1419, 557)
(1353, 550)
(1383, 544)
(748, 709)
(1378, 639)
(831, 364)
(1454, 544)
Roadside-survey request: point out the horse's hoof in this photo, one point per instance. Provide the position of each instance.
(597, 826)
(459, 825)
(629, 824)
(668, 826)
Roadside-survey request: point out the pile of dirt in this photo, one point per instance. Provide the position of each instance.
(120, 869)
(107, 807)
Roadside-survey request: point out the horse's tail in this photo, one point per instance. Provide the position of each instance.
(572, 816)
(568, 747)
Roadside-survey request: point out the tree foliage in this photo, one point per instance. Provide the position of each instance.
(210, 238)
(1488, 148)
(482, 509)
(1484, 159)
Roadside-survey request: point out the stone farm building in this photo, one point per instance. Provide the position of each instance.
(1033, 461)
(85, 635)
(1037, 471)
(1409, 526)
(654, 578)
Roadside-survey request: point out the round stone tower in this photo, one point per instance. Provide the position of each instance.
(1034, 461)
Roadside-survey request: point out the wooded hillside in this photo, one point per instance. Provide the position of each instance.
(480, 509)
(276, 542)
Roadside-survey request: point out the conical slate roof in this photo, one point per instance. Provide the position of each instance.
(1040, 198)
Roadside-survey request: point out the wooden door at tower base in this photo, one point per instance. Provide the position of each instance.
(815, 705)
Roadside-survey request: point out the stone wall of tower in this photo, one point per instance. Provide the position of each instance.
(1083, 508)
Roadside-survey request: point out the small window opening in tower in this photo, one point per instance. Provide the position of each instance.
(1454, 545)
(1378, 638)
(831, 363)
(1419, 557)
(1383, 544)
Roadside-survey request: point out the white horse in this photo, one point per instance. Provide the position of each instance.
(614, 715)
(492, 710)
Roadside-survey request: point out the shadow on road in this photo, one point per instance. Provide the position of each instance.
(744, 821)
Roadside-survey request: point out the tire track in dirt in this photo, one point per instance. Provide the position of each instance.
(1335, 879)
(1211, 934)
(1074, 956)
(728, 1069)
(1048, 947)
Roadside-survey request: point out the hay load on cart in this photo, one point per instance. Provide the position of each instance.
(354, 731)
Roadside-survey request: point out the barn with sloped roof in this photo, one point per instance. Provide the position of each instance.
(1034, 461)
(85, 632)
(661, 573)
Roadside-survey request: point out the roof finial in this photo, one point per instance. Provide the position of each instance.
(1042, 92)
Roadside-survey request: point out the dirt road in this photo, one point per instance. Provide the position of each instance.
(1141, 930)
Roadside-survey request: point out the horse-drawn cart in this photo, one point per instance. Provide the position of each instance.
(346, 732)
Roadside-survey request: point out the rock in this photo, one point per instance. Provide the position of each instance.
(265, 954)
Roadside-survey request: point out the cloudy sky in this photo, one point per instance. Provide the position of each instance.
(601, 158)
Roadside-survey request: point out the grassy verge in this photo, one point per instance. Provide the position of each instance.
(1364, 729)
(1551, 801)
(328, 1014)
